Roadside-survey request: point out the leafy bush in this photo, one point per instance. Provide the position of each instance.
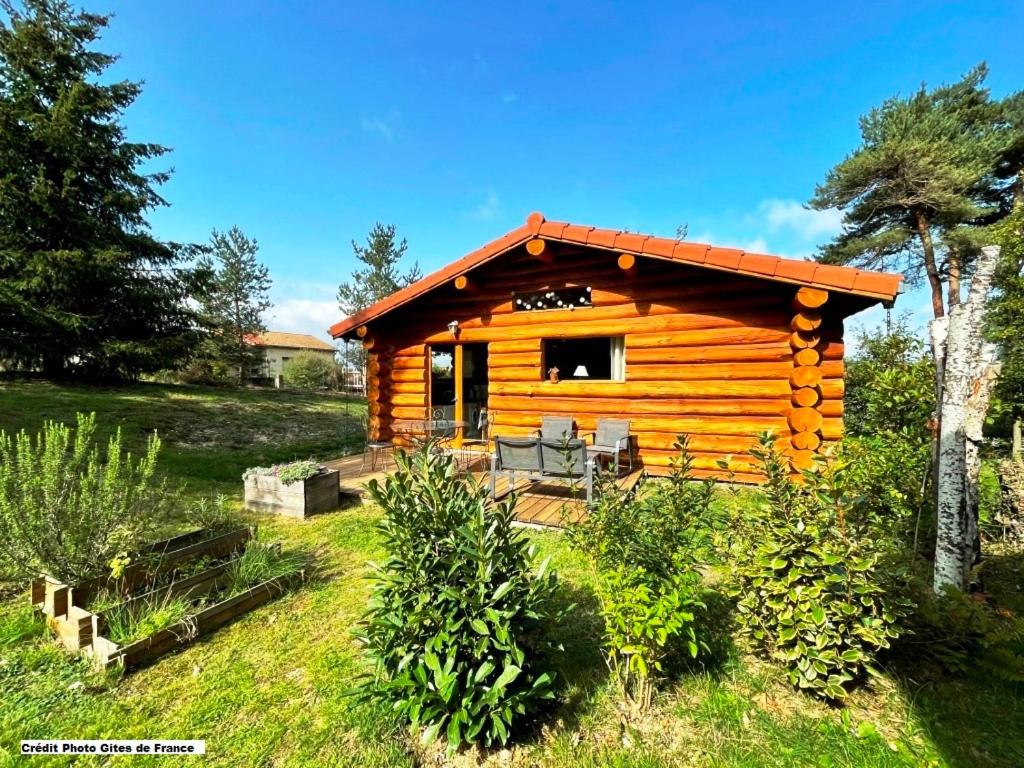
(668, 526)
(457, 623)
(962, 632)
(308, 370)
(643, 614)
(645, 551)
(65, 511)
(810, 581)
(889, 474)
(890, 384)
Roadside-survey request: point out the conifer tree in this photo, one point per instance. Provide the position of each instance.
(85, 288)
(925, 172)
(381, 277)
(233, 307)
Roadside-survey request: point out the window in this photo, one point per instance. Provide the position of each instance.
(597, 359)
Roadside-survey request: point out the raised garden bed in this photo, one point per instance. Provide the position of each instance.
(107, 653)
(150, 611)
(282, 491)
(163, 557)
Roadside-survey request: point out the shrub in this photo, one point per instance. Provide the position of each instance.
(643, 614)
(457, 622)
(809, 579)
(669, 526)
(65, 511)
(890, 384)
(962, 632)
(645, 551)
(889, 474)
(308, 370)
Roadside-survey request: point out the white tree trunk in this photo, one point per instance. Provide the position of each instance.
(974, 423)
(962, 371)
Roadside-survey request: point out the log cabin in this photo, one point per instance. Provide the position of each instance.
(678, 337)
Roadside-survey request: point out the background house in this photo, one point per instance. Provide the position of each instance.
(280, 346)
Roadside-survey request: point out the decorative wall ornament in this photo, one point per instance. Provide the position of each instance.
(561, 298)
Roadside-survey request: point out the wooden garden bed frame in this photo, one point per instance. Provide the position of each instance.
(83, 631)
(55, 598)
(106, 653)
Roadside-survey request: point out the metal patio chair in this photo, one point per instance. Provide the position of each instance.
(610, 439)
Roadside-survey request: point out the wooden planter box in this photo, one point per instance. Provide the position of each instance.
(106, 653)
(319, 493)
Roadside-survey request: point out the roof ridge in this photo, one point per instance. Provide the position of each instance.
(879, 286)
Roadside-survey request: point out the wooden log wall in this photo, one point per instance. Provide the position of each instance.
(713, 355)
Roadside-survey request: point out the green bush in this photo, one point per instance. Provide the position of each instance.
(888, 473)
(643, 615)
(809, 578)
(890, 385)
(308, 370)
(457, 622)
(962, 632)
(670, 525)
(645, 551)
(66, 511)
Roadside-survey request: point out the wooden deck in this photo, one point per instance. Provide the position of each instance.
(543, 503)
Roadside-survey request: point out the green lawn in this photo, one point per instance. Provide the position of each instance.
(269, 690)
(210, 434)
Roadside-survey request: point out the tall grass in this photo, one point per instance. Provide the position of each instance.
(134, 620)
(261, 562)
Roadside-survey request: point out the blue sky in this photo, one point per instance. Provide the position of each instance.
(304, 123)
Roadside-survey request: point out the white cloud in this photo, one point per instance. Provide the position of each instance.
(509, 97)
(489, 208)
(297, 315)
(808, 224)
(757, 245)
(379, 126)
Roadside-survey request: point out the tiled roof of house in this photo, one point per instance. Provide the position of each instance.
(289, 340)
(879, 286)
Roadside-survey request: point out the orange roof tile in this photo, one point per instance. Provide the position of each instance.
(289, 340)
(875, 286)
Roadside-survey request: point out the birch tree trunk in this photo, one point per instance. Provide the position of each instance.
(963, 370)
(974, 423)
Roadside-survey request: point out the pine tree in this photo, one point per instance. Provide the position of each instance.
(925, 170)
(233, 307)
(381, 277)
(85, 289)
(1011, 161)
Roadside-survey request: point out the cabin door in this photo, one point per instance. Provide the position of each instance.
(458, 390)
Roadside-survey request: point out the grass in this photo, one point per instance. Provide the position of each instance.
(211, 435)
(261, 562)
(128, 622)
(270, 688)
